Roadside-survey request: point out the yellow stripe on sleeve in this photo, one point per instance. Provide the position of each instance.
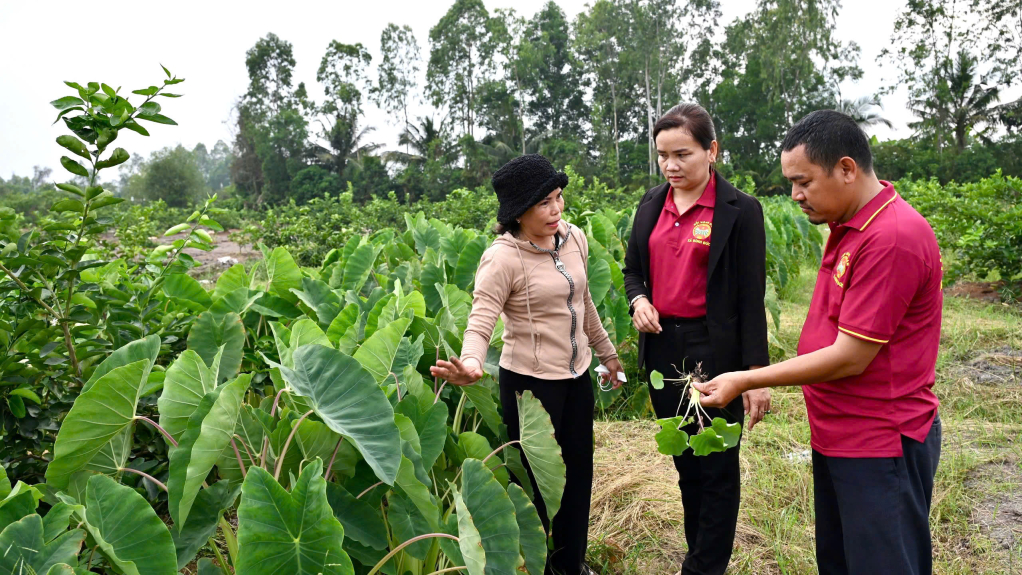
(860, 336)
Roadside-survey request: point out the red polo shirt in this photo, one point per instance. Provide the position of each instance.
(880, 280)
(679, 253)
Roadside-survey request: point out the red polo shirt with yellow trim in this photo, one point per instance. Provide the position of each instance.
(880, 281)
(679, 255)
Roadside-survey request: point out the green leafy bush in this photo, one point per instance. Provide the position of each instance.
(978, 225)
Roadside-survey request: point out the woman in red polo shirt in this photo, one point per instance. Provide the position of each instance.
(695, 274)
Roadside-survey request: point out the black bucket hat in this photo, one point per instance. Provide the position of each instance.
(524, 182)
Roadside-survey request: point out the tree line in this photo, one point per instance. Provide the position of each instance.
(587, 91)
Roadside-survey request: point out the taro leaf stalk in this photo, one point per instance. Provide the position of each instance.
(95, 116)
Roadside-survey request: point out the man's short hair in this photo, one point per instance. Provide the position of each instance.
(828, 136)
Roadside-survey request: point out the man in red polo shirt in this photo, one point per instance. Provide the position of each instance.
(867, 356)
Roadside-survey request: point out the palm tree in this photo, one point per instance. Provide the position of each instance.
(345, 141)
(420, 138)
(959, 101)
(862, 111)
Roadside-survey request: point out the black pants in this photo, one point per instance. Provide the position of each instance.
(710, 485)
(570, 404)
(872, 514)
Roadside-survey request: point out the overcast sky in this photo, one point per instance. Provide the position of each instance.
(45, 43)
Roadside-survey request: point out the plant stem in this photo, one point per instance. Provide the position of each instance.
(283, 451)
(237, 454)
(395, 551)
(333, 456)
(157, 426)
(145, 475)
(495, 451)
(368, 489)
(450, 570)
(68, 341)
(456, 423)
(266, 439)
(251, 458)
(219, 556)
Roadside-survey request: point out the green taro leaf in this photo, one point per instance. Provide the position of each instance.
(493, 515)
(96, 434)
(252, 426)
(294, 533)
(469, 540)
(729, 432)
(147, 348)
(542, 451)
(187, 381)
(357, 267)
(706, 442)
(346, 397)
(656, 379)
(282, 274)
(407, 522)
(670, 440)
(378, 352)
(208, 334)
(361, 522)
(531, 535)
(20, 504)
(468, 261)
(232, 279)
(183, 290)
(320, 299)
(209, 432)
(202, 520)
(25, 550)
(482, 399)
(126, 529)
(600, 282)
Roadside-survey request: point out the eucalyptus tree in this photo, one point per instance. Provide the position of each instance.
(271, 142)
(343, 74)
(460, 59)
(396, 82)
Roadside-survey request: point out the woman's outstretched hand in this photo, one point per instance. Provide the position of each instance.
(457, 372)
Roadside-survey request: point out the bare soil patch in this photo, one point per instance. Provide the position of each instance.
(225, 252)
(999, 367)
(983, 291)
(999, 513)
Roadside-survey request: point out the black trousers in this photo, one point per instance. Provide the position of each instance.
(872, 514)
(570, 404)
(710, 485)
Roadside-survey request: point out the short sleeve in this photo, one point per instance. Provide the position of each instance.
(882, 282)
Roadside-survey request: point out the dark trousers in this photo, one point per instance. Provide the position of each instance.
(710, 485)
(570, 404)
(872, 514)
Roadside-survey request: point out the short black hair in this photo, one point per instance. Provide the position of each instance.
(693, 118)
(828, 136)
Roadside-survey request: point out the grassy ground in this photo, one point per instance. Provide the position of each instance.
(977, 504)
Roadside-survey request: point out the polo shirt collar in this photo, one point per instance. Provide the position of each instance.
(871, 210)
(707, 199)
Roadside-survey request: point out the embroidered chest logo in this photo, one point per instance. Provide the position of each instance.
(701, 231)
(842, 268)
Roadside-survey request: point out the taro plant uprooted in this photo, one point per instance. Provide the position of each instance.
(714, 435)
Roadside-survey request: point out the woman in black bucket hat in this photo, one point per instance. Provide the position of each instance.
(535, 276)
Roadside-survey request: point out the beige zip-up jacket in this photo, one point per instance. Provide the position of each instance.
(550, 321)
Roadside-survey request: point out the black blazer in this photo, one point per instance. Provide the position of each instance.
(736, 278)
